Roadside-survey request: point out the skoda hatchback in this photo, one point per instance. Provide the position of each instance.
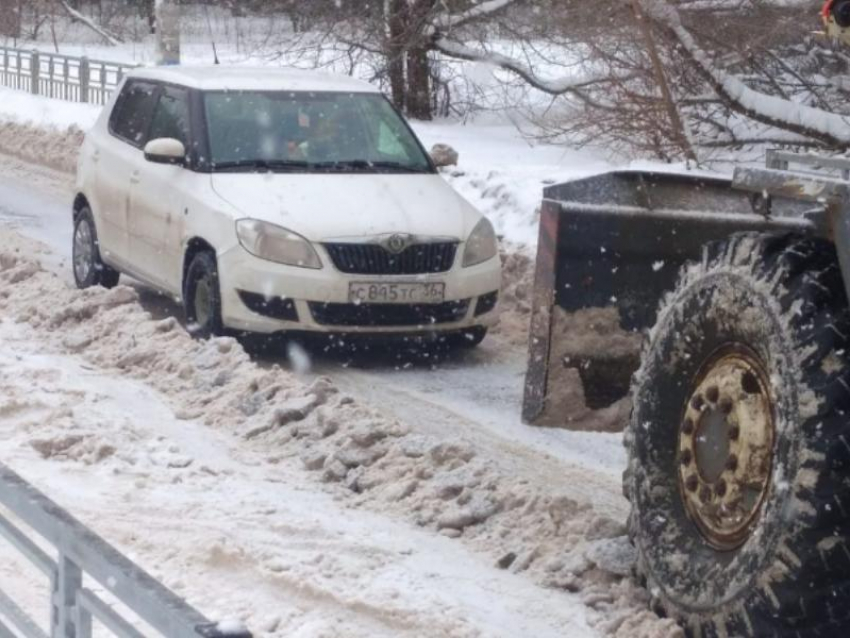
(271, 201)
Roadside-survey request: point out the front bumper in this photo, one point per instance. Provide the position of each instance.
(319, 298)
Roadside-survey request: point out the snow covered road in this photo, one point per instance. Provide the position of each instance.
(243, 530)
(235, 535)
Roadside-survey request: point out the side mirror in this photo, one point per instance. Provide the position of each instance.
(165, 150)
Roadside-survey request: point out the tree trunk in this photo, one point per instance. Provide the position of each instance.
(167, 32)
(419, 104)
(395, 50)
(10, 23)
(149, 8)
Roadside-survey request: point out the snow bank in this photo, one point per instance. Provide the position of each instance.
(503, 173)
(53, 148)
(589, 345)
(43, 131)
(24, 108)
(364, 458)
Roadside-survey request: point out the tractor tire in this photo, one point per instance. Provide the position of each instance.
(739, 444)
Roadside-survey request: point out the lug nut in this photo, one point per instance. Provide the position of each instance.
(712, 394)
(720, 488)
(686, 457)
(697, 402)
(726, 404)
(688, 427)
(705, 494)
(734, 433)
(732, 463)
(692, 483)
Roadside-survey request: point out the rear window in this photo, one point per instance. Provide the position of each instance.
(131, 117)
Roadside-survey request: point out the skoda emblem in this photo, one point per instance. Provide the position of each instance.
(397, 243)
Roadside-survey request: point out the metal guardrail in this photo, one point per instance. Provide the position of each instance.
(65, 77)
(82, 553)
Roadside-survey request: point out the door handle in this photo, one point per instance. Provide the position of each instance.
(134, 178)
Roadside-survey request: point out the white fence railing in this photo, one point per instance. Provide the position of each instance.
(65, 77)
(80, 561)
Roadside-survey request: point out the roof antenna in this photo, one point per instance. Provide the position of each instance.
(209, 28)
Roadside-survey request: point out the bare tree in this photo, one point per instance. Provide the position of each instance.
(10, 18)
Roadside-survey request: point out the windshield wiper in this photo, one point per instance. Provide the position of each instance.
(366, 165)
(263, 164)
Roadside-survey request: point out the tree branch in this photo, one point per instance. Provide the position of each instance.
(828, 128)
(76, 16)
(552, 87)
(446, 21)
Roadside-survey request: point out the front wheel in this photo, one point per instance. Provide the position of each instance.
(89, 269)
(739, 444)
(202, 297)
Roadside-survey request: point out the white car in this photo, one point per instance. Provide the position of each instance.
(279, 200)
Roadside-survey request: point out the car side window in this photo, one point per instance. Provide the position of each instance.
(171, 116)
(132, 114)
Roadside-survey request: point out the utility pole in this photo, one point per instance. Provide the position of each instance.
(167, 32)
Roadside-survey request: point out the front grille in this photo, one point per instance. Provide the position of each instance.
(373, 315)
(373, 259)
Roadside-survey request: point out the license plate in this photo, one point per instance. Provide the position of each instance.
(367, 292)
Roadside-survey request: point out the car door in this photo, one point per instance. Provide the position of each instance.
(158, 201)
(116, 158)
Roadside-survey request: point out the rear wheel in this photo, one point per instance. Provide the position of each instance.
(739, 444)
(202, 297)
(89, 269)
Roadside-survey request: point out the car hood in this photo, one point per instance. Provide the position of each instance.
(325, 207)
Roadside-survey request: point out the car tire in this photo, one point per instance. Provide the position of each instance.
(89, 269)
(766, 317)
(469, 338)
(202, 297)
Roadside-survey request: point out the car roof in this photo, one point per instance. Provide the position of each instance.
(244, 78)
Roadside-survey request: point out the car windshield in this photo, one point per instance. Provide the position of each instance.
(252, 131)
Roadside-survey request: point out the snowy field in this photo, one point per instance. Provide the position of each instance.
(354, 497)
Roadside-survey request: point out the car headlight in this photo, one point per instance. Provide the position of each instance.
(277, 244)
(481, 245)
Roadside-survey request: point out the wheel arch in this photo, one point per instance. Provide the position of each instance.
(194, 246)
(80, 202)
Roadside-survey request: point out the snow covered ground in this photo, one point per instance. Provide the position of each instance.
(365, 496)
(238, 534)
(228, 480)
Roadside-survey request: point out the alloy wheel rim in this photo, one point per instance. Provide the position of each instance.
(203, 301)
(83, 250)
